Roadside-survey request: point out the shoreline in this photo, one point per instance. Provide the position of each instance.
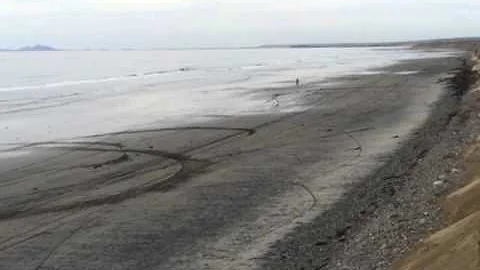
(454, 243)
(209, 196)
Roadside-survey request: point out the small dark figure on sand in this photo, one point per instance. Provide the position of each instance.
(275, 101)
(297, 82)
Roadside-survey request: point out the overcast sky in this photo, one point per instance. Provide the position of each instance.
(143, 24)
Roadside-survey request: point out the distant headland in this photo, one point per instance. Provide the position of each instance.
(34, 48)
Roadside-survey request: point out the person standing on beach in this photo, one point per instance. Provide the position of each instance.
(297, 82)
(275, 101)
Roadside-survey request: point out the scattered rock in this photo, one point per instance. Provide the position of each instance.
(322, 265)
(450, 155)
(394, 216)
(442, 177)
(454, 170)
(422, 221)
(438, 183)
(396, 137)
(438, 187)
(321, 243)
(340, 233)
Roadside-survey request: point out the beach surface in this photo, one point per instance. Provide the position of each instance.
(234, 193)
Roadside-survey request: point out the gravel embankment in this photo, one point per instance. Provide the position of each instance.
(396, 206)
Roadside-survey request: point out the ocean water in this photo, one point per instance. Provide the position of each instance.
(62, 95)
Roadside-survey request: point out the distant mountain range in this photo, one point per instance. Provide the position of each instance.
(35, 48)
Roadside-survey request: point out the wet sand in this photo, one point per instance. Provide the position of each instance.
(220, 195)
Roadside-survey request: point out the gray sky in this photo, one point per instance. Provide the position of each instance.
(143, 24)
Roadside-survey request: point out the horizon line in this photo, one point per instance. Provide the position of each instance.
(284, 45)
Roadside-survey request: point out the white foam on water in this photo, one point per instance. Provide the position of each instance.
(411, 72)
(13, 154)
(369, 72)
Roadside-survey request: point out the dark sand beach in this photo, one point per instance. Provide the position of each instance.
(272, 191)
